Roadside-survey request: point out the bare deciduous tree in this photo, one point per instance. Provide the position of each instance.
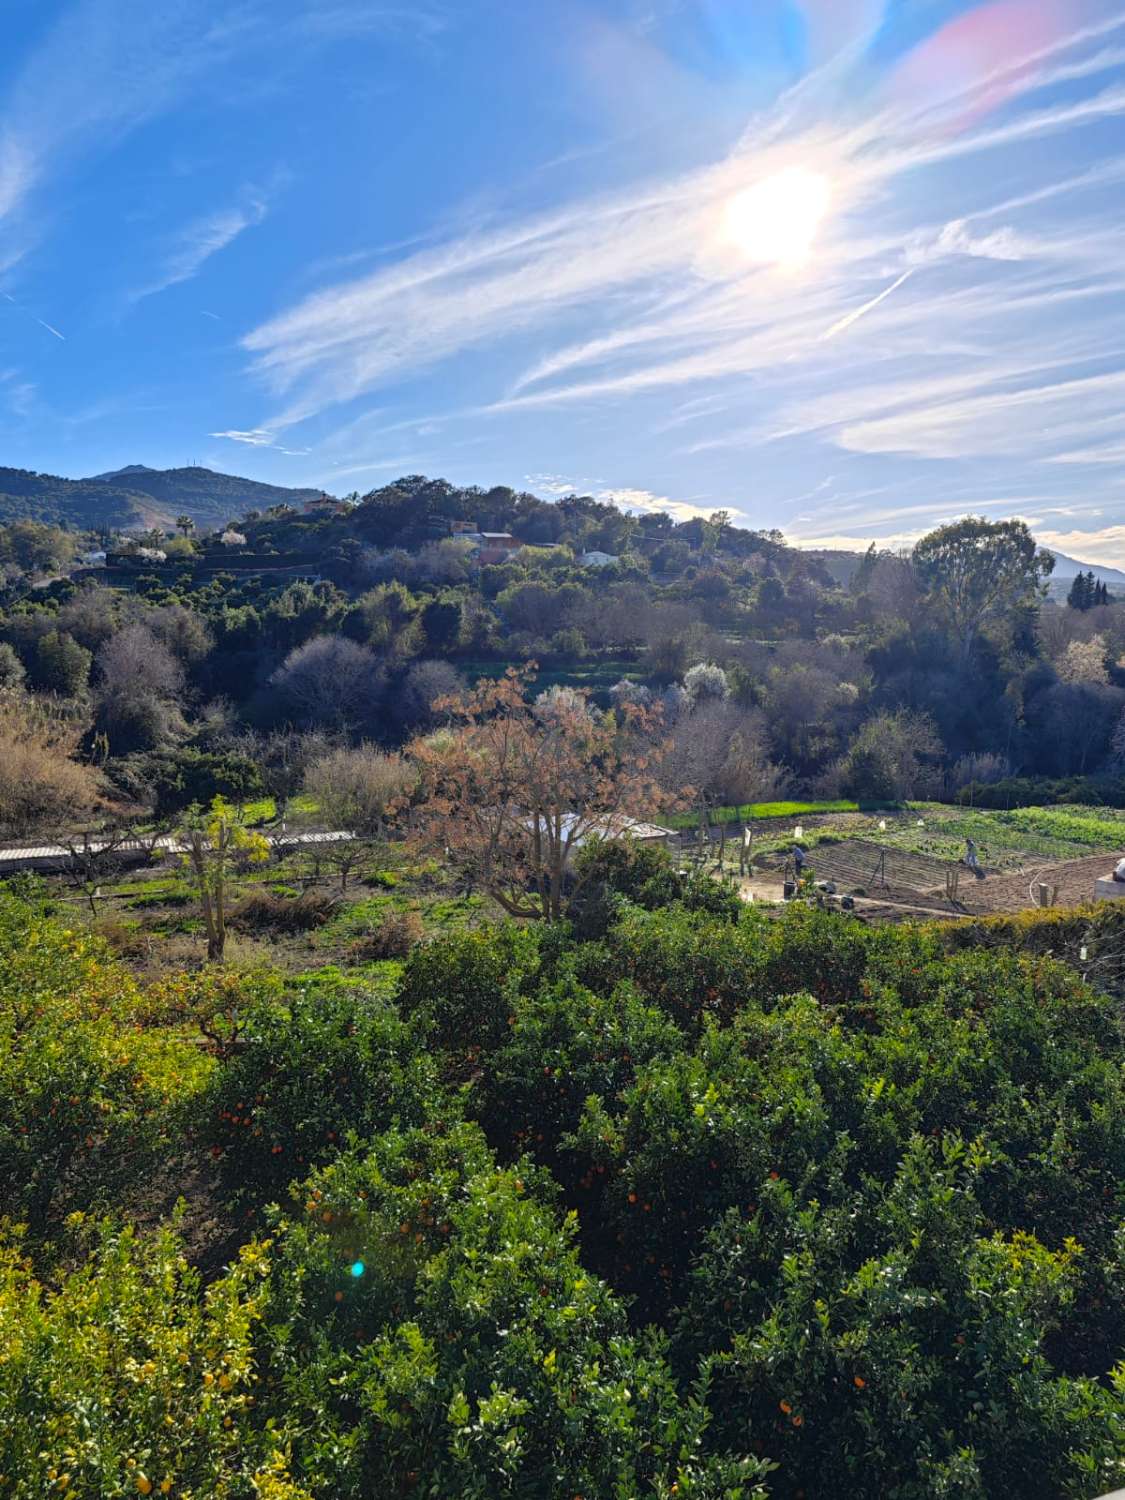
(514, 788)
(330, 682)
(357, 789)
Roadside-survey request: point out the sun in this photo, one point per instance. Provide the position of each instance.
(776, 221)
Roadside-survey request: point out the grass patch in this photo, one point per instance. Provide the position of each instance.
(262, 810)
(753, 810)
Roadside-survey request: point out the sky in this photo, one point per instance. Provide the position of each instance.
(846, 268)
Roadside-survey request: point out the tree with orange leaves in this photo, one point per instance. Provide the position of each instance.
(514, 786)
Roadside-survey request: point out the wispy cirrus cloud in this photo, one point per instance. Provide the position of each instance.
(107, 67)
(191, 249)
(256, 437)
(677, 307)
(347, 21)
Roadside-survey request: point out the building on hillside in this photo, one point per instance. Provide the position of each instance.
(612, 826)
(499, 541)
(464, 528)
(494, 546)
(597, 560)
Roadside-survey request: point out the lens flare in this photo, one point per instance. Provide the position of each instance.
(357, 1268)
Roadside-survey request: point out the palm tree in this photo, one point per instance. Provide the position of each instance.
(185, 524)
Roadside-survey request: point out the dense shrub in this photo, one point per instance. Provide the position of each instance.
(1041, 791)
(187, 776)
(86, 1099)
(790, 1204)
(565, 1045)
(304, 1072)
(617, 870)
(462, 986)
(126, 1381)
(897, 1343)
(437, 1307)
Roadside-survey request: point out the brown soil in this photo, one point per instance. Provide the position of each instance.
(1009, 893)
(915, 887)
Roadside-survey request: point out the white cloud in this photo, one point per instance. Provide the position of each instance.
(674, 307)
(551, 484)
(955, 239)
(103, 68)
(646, 502)
(999, 423)
(16, 173)
(256, 437)
(1106, 546)
(198, 242)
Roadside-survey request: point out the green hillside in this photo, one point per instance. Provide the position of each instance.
(76, 503)
(137, 497)
(211, 499)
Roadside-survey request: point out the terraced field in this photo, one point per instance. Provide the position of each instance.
(896, 863)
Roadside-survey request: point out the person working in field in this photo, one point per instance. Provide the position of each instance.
(971, 857)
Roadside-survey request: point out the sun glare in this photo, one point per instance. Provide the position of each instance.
(776, 221)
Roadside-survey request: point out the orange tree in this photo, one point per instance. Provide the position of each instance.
(514, 787)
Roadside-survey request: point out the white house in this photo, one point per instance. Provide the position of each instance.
(597, 560)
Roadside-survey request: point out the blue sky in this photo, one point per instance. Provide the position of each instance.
(333, 241)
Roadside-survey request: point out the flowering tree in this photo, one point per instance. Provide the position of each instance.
(512, 788)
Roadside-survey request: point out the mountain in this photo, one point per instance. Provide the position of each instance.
(128, 469)
(137, 497)
(80, 504)
(1067, 568)
(209, 498)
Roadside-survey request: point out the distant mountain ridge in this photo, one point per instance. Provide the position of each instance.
(1067, 568)
(137, 497)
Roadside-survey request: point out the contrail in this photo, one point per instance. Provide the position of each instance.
(20, 307)
(854, 317)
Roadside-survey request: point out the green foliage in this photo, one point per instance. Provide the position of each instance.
(61, 665)
(127, 1380)
(1041, 791)
(616, 870)
(566, 1044)
(462, 987)
(472, 1355)
(900, 1344)
(708, 1206)
(303, 1073)
(179, 778)
(86, 1100)
(750, 811)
